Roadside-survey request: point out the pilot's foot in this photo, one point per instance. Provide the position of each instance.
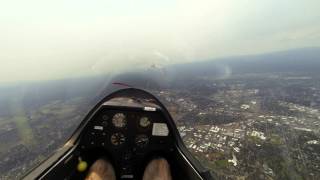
(157, 169)
(101, 170)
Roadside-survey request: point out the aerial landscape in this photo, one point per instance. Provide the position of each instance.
(252, 130)
(247, 117)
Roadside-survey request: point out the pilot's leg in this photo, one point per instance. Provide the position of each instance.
(157, 169)
(101, 170)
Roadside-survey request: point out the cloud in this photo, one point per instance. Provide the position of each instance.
(57, 39)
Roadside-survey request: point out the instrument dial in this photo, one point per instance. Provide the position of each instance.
(117, 139)
(104, 123)
(144, 122)
(105, 117)
(142, 140)
(119, 120)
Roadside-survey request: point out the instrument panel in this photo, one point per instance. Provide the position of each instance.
(127, 133)
(115, 125)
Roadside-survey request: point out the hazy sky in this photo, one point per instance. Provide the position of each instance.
(42, 39)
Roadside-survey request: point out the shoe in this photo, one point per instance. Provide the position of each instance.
(157, 169)
(101, 169)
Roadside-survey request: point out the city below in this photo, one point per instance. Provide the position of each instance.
(253, 126)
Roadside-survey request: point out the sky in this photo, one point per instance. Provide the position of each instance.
(42, 39)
